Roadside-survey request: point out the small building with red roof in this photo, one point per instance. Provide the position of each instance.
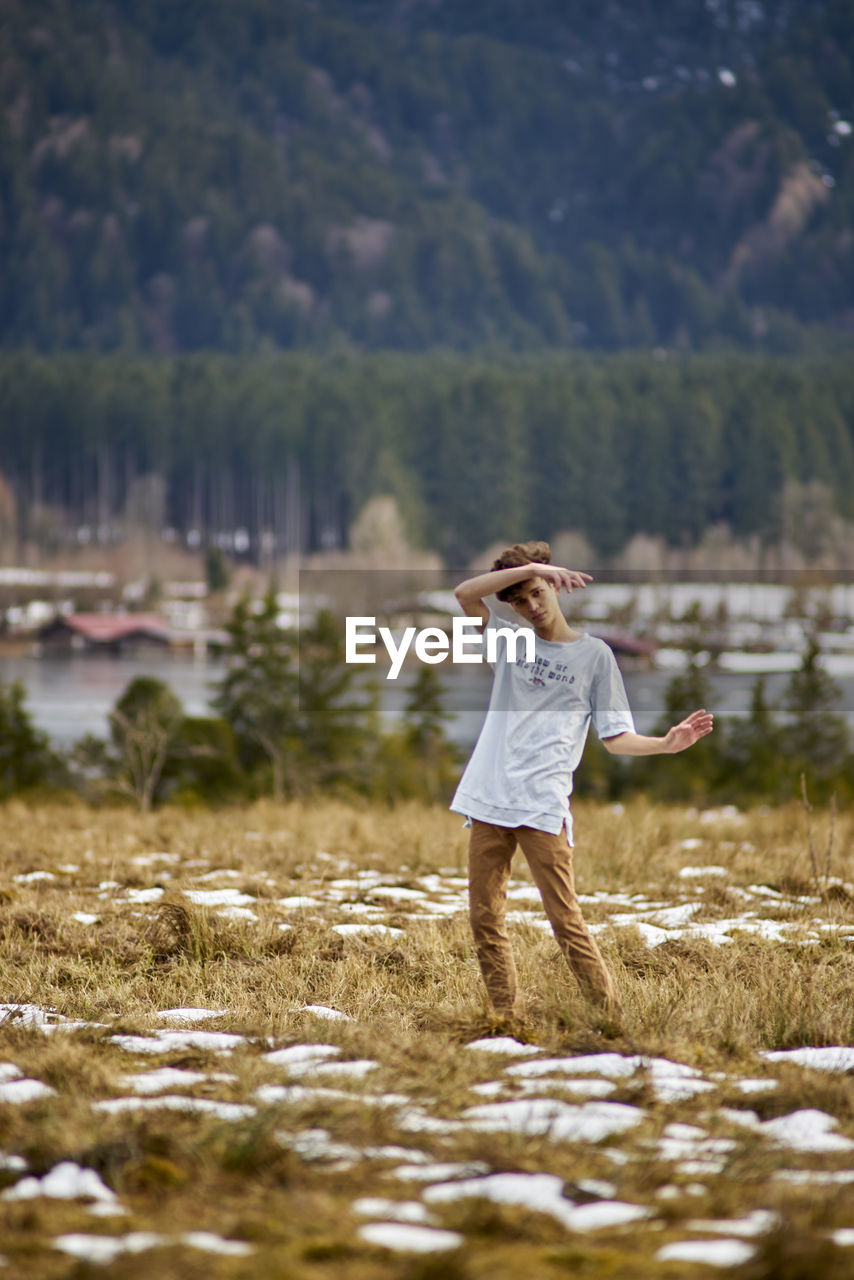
(110, 632)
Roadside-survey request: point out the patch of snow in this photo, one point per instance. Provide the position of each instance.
(750, 1084)
(101, 1209)
(395, 1210)
(652, 935)
(145, 895)
(714, 1253)
(540, 1192)
(318, 1144)
(295, 1054)
(726, 813)
(323, 1011)
(190, 1014)
(569, 1084)
(695, 1151)
(589, 1122)
(217, 897)
(12, 1164)
(671, 1081)
(211, 1243)
(148, 1082)
(806, 1130)
(66, 1181)
(503, 1044)
(22, 1091)
(349, 930)
(358, 1068)
(29, 1015)
(106, 1248)
(617, 1066)
(170, 1041)
(408, 1238)
(177, 1102)
(237, 913)
(829, 1058)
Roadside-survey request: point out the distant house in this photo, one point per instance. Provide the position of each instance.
(105, 632)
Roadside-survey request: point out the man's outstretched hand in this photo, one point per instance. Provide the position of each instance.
(691, 730)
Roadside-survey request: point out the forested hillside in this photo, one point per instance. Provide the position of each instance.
(273, 173)
(286, 449)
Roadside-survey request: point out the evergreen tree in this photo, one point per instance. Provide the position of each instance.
(26, 759)
(690, 774)
(426, 715)
(258, 695)
(817, 739)
(338, 733)
(216, 570)
(755, 763)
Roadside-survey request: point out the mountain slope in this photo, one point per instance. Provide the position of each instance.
(208, 175)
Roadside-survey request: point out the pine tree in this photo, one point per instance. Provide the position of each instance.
(337, 720)
(258, 695)
(426, 715)
(817, 738)
(25, 756)
(755, 759)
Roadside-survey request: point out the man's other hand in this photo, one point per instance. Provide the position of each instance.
(691, 730)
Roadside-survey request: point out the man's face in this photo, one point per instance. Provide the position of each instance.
(535, 601)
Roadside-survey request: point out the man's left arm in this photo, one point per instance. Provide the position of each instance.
(682, 736)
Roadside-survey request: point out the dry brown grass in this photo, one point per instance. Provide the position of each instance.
(414, 1001)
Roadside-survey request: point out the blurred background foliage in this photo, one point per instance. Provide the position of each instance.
(474, 448)
(319, 732)
(278, 174)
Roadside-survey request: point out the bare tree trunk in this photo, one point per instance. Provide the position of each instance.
(293, 510)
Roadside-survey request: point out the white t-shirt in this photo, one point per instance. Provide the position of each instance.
(520, 772)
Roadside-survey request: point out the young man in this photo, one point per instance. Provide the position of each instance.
(516, 786)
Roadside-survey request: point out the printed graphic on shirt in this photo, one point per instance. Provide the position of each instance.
(543, 672)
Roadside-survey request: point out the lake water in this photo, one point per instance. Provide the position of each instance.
(70, 696)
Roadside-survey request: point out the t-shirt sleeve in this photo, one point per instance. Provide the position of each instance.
(610, 710)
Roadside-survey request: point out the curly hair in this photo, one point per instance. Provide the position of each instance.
(521, 553)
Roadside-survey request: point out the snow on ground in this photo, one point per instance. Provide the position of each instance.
(519, 1091)
(413, 1223)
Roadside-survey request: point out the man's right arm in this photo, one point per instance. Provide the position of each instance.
(472, 592)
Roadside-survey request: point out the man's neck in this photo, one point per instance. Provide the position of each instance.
(557, 630)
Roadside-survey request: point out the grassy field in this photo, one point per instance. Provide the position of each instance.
(239, 1044)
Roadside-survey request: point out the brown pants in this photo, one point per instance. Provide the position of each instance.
(550, 858)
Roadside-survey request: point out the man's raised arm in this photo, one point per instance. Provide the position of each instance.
(472, 592)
